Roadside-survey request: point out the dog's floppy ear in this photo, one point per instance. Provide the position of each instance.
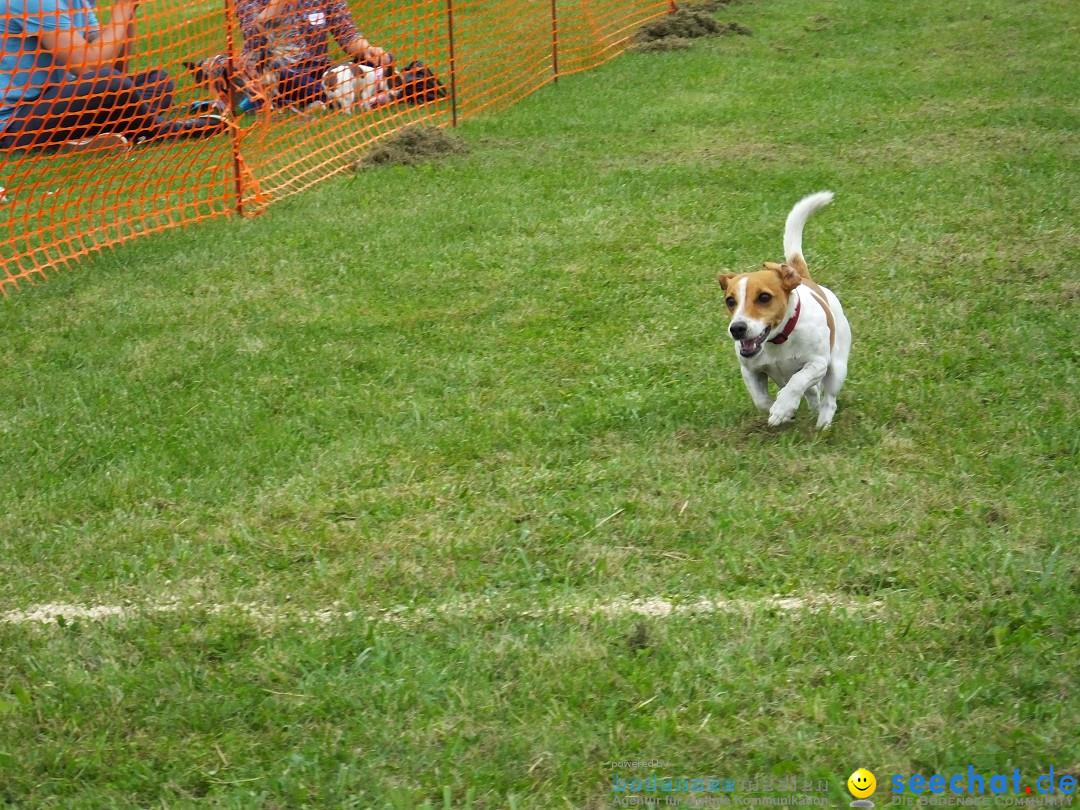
(725, 279)
(789, 279)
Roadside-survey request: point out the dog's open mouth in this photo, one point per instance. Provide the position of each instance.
(748, 348)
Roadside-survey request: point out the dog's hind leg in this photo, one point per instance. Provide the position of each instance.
(813, 401)
(836, 373)
(830, 386)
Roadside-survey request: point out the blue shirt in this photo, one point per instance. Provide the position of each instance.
(26, 66)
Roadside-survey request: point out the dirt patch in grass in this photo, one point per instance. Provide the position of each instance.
(735, 28)
(713, 5)
(412, 145)
(677, 31)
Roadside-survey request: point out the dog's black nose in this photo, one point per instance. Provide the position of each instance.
(738, 330)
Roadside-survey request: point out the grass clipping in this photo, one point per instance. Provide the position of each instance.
(413, 145)
(677, 31)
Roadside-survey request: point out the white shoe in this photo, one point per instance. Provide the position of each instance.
(106, 140)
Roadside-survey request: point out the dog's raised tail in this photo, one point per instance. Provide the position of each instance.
(793, 228)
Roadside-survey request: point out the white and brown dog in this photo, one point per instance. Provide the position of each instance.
(788, 329)
(345, 86)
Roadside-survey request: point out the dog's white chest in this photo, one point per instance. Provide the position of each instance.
(778, 363)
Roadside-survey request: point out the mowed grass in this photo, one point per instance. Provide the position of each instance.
(374, 475)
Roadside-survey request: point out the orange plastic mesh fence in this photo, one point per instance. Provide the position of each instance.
(120, 121)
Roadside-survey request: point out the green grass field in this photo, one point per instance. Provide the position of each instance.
(438, 486)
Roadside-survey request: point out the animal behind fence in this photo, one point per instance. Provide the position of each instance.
(121, 120)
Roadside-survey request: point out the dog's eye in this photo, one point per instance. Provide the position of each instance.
(764, 298)
(729, 301)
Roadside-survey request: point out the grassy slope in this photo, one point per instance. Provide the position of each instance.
(429, 386)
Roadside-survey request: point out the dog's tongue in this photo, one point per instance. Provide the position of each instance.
(747, 345)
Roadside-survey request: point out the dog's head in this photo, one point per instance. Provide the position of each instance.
(213, 70)
(242, 76)
(757, 304)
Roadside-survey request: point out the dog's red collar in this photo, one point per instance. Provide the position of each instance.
(789, 327)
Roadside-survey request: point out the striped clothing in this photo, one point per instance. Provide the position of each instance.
(298, 37)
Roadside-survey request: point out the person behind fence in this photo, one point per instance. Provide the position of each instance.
(63, 79)
(289, 41)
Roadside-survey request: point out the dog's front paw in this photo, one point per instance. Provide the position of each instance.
(780, 413)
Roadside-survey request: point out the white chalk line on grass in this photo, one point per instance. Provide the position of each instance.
(655, 607)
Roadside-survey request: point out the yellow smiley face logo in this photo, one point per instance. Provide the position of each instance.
(862, 784)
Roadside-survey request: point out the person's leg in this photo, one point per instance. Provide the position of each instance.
(299, 86)
(155, 87)
(156, 90)
(98, 103)
(105, 102)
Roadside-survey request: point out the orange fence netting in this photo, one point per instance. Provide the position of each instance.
(149, 114)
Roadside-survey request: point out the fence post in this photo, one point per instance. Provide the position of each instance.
(234, 131)
(453, 59)
(555, 41)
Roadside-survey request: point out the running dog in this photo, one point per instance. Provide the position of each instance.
(789, 329)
